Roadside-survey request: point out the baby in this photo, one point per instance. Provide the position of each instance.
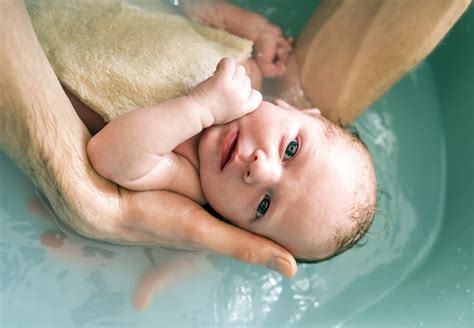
(287, 174)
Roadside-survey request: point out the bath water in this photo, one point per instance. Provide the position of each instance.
(76, 281)
(53, 278)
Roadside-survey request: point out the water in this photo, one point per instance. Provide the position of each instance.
(49, 279)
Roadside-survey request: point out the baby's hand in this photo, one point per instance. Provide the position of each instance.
(272, 49)
(227, 94)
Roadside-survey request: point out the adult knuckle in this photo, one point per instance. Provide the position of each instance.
(246, 255)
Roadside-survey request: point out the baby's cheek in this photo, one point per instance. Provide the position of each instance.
(223, 211)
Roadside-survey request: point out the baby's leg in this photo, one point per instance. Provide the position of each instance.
(93, 121)
(351, 52)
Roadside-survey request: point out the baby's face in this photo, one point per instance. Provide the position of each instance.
(279, 173)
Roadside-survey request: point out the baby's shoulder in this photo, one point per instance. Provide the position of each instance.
(184, 178)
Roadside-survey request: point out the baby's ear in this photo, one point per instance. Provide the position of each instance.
(312, 112)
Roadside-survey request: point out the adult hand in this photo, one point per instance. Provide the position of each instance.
(169, 219)
(42, 134)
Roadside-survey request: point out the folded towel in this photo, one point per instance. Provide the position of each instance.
(115, 57)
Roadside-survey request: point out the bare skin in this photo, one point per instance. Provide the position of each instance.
(285, 176)
(271, 47)
(35, 111)
(30, 123)
(351, 52)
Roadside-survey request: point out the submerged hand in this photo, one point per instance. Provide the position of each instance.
(272, 50)
(271, 47)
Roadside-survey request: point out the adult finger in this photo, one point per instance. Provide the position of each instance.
(222, 238)
(166, 218)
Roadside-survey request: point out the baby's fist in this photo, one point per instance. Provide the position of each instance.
(227, 94)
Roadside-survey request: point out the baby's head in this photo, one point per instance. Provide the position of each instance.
(291, 176)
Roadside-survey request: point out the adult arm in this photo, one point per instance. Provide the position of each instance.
(42, 134)
(351, 52)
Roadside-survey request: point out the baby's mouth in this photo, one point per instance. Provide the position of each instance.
(230, 145)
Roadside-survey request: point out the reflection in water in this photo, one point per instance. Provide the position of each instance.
(101, 303)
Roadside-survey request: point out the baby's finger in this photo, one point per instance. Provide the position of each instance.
(245, 87)
(253, 72)
(283, 49)
(282, 56)
(284, 44)
(266, 52)
(255, 100)
(266, 63)
(273, 70)
(281, 103)
(225, 68)
(239, 73)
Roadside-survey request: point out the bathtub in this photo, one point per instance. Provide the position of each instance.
(414, 268)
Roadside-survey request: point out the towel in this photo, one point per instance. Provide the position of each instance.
(116, 57)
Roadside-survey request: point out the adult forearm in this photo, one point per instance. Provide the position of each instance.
(39, 129)
(25, 98)
(351, 52)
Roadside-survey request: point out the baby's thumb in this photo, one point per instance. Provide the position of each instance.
(254, 101)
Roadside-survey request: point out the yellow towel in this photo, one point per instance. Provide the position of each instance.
(116, 57)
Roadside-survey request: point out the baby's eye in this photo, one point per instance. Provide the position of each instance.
(263, 206)
(291, 149)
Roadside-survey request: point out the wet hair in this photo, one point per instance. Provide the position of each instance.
(364, 218)
(362, 212)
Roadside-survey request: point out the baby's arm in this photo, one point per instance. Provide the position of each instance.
(130, 149)
(271, 47)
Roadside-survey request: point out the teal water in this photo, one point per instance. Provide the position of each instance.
(88, 283)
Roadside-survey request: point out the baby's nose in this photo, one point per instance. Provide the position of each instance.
(262, 169)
